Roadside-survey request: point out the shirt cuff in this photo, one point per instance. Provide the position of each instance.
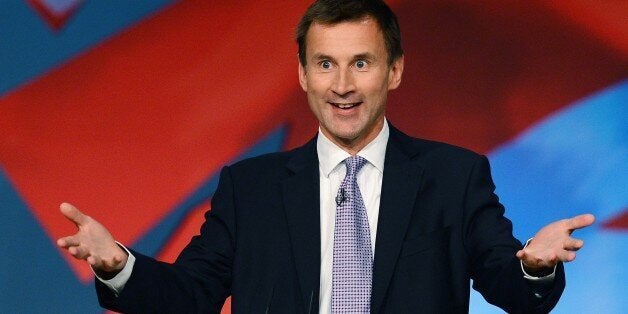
(116, 284)
(544, 279)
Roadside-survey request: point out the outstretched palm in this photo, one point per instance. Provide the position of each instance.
(92, 243)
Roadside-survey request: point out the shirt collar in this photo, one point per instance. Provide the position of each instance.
(330, 155)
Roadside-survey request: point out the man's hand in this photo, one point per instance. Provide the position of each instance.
(553, 244)
(92, 243)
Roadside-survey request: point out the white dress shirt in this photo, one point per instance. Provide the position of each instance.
(332, 171)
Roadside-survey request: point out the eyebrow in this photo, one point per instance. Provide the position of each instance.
(364, 55)
(321, 56)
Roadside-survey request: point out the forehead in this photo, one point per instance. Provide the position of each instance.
(346, 38)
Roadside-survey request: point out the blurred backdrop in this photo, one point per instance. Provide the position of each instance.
(128, 109)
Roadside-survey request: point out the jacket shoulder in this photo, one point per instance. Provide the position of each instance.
(269, 165)
(430, 150)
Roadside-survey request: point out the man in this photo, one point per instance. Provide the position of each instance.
(361, 219)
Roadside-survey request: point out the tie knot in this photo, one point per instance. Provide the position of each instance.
(354, 164)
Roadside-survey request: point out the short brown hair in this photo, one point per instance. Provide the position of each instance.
(331, 12)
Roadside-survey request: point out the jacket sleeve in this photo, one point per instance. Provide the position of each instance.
(488, 239)
(200, 279)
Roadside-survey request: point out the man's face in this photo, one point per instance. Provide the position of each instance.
(347, 79)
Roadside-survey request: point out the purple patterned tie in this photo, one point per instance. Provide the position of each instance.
(353, 261)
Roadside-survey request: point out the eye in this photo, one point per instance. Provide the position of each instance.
(325, 64)
(360, 64)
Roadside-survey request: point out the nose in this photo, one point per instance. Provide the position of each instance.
(343, 82)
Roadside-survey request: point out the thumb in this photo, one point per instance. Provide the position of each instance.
(73, 214)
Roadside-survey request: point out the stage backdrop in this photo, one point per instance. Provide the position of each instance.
(129, 109)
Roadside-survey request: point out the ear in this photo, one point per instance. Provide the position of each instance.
(394, 76)
(302, 77)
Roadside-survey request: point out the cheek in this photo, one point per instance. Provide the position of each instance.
(314, 95)
(374, 84)
(315, 104)
(375, 90)
(318, 84)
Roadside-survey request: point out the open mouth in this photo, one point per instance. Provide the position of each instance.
(345, 105)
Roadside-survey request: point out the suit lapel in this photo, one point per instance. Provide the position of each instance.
(400, 186)
(301, 199)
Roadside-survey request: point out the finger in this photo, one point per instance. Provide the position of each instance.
(112, 263)
(73, 214)
(103, 265)
(74, 251)
(94, 261)
(572, 244)
(527, 259)
(533, 262)
(567, 256)
(66, 242)
(117, 259)
(78, 252)
(580, 221)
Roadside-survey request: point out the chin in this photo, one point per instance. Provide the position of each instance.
(346, 135)
(346, 131)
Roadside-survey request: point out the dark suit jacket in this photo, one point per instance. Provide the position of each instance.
(440, 225)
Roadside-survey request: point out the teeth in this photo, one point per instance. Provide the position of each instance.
(345, 106)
